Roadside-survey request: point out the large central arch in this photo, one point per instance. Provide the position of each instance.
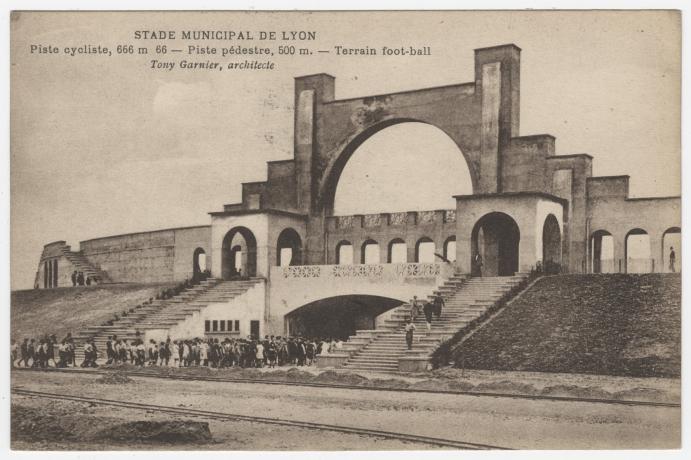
(333, 172)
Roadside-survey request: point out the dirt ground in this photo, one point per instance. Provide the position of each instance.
(651, 389)
(515, 423)
(89, 425)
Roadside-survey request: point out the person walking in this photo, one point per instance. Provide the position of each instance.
(438, 305)
(428, 310)
(409, 329)
(477, 264)
(24, 353)
(672, 259)
(414, 308)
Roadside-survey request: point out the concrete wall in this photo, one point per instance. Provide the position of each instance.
(294, 287)
(611, 210)
(411, 226)
(147, 257)
(528, 210)
(249, 306)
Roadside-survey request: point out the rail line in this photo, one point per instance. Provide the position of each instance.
(623, 402)
(187, 412)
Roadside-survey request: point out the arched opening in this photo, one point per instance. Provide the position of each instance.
(289, 248)
(198, 261)
(637, 251)
(671, 242)
(344, 253)
(396, 168)
(239, 254)
(338, 317)
(602, 250)
(370, 253)
(450, 249)
(398, 252)
(424, 251)
(551, 245)
(495, 237)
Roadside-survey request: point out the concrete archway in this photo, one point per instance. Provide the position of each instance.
(450, 249)
(637, 256)
(424, 250)
(337, 317)
(334, 171)
(397, 251)
(671, 240)
(496, 237)
(369, 253)
(289, 248)
(602, 252)
(198, 261)
(344, 253)
(229, 249)
(551, 245)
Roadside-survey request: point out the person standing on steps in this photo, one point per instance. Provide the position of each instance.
(427, 309)
(477, 264)
(438, 305)
(672, 259)
(409, 329)
(414, 308)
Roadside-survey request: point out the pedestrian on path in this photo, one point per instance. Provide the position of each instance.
(427, 309)
(414, 308)
(409, 329)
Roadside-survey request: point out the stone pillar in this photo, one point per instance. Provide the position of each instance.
(656, 253)
(619, 242)
(497, 77)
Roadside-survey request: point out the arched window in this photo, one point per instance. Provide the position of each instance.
(370, 252)
(424, 251)
(602, 250)
(398, 252)
(239, 253)
(289, 248)
(198, 261)
(344, 253)
(450, 249)
(637, 251)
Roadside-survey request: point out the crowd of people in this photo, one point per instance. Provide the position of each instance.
(39, 353)
(219, 353)
(272, 351)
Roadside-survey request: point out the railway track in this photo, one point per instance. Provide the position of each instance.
(623, 402)
(195, 413)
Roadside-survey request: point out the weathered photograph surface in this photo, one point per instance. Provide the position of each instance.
(345, 230)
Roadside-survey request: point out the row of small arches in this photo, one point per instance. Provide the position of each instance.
(397, 251)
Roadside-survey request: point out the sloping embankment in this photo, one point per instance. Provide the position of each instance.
(600, 324)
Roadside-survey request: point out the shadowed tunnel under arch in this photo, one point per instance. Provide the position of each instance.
(338, 317)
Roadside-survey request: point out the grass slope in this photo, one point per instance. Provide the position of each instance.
(62, 310)
(599, 324)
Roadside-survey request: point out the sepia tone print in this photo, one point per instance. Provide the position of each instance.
(297, 231)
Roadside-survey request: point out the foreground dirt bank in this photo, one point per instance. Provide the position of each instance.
(515, 423)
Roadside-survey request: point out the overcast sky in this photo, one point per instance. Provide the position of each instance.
(106, 146)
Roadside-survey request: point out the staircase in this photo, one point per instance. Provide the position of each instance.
(81, 264)
(163, 314)
(465, 300)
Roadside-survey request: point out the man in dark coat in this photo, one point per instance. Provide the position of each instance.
(438, 305)
(24, 353)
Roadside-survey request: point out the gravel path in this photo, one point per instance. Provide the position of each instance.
(514, 423)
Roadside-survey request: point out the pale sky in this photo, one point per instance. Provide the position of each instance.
(107, 146)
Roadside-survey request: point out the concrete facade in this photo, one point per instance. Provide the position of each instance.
(519, 184)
